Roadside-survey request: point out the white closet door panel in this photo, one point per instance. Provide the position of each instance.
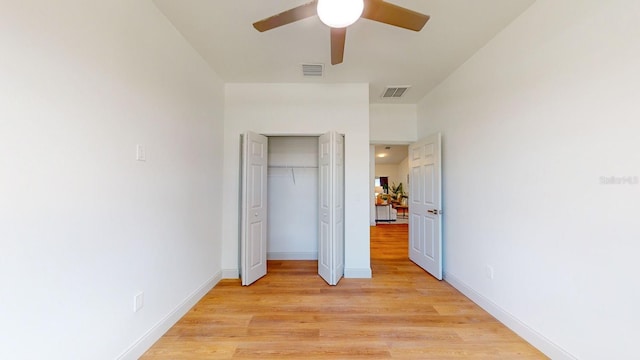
(253, 241)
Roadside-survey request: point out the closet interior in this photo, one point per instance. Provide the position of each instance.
(292, 198)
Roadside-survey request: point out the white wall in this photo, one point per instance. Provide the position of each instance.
(397, 173)
(388, 170)
(83, 226)
(302, 109)
(292, 223)
(530, 124)
(393, 123)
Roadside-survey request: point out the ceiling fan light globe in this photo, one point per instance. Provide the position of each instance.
(340, 13)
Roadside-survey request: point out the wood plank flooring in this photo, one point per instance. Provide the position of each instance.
(401, 313)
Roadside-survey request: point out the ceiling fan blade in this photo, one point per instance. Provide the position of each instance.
(378, 10)
(338, 38)
(287, 17)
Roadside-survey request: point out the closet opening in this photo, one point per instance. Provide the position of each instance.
(292, 198)
(292, 203)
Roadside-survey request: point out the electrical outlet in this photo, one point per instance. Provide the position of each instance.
(489, 272)
(141, 154)
(138, 302)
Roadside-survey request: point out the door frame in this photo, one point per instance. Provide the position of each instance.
(241, 206)
(372, 176)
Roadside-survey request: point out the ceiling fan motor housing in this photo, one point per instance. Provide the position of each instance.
(339, 13)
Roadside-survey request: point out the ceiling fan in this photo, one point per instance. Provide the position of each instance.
(376, 10)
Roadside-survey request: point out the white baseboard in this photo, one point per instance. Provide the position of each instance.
(357, 273)
(536, 339)
(150, 337)
(292, 256)
(230, 274)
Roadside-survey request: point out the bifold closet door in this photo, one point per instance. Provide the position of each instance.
(331, 207)
(253, 233)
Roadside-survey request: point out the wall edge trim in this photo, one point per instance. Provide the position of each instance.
(535, 338)
(353, 273)
(152, 335)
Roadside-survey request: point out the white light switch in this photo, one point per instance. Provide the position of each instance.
(141, 153)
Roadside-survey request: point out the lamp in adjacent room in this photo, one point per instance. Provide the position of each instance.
(340, 13)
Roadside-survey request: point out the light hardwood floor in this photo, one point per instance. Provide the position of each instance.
(401, 313)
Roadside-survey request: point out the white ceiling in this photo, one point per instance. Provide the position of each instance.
(378, 54)
(393, 155)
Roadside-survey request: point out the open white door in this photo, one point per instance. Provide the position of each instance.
(331, 214)
(253, 233)
(425, 221)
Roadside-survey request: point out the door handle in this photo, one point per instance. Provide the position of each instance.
(433, 211)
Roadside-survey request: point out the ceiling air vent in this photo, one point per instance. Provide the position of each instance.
(313, 70)
(395, 91)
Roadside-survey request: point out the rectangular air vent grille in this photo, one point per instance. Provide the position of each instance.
(314, 70)
(395, 91)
